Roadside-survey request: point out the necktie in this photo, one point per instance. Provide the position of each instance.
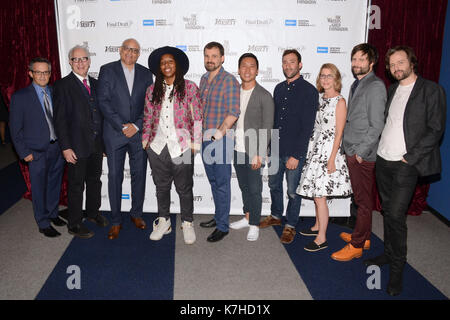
(49, 115)
(86, 85)
(354, 86)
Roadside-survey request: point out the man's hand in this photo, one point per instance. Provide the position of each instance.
(403, 160)
(358, 158)
(129, 130)
(256, 162)
(29, 158)
(70, 156)
(292, 163)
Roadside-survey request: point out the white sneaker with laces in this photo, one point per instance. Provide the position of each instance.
(240, 224)
(159, 230)
(253, 233)
(188, 232)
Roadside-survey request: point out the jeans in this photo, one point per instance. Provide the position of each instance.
(250, 183)
(217, 156)
(276, 191)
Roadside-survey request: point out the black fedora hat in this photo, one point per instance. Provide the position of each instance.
(180, 57)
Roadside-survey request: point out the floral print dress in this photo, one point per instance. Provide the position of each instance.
(315, 181)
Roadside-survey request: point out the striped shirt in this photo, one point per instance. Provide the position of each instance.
(220, 98)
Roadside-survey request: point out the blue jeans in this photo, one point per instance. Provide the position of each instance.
(276, 191)
(217, 156)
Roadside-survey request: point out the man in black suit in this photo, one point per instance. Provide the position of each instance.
(121, 94)
(78, 124)
(409, 148)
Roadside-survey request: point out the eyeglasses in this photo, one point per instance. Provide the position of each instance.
(41, 73)
(78, 60)
(133, 50)
(326, 76)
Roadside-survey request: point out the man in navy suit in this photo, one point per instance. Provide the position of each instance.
(33, 135)
(78, 124)
(121, 95)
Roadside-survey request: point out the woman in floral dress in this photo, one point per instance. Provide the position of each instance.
(325, 173)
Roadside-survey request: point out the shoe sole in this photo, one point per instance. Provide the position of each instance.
(309, 234)
(167, 232)
(87, 236)
(315, 250)
(345, 260)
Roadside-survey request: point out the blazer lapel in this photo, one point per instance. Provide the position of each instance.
(122, 78)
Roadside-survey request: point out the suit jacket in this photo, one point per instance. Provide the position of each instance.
(187, 116)
(423, 125)
(74, 116)
(116, 103)
(29, 128)
(365, 118)
(259, 116)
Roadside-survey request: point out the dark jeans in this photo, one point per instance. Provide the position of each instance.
(250, 183)
(164, 172)
(396, 183)
(362, 177)
(85, 171)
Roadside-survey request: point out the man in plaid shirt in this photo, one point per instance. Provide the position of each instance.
(219, 91)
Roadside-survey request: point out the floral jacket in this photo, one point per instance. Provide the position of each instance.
(187, 117)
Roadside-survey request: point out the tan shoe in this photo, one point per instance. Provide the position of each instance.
(288, 235)
(347, 253)
(139, 223)
(347, 237)
(270, 221)
(114, 232)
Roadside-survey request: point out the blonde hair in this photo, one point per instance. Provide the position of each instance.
(337, 77)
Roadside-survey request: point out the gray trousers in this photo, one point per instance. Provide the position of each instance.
(164, 172)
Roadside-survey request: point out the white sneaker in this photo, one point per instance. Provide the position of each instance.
(240, 224)
(159, 230)
(188, 232)
(253, 233)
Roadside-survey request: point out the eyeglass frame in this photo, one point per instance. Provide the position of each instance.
(133, 50)
(78, 60)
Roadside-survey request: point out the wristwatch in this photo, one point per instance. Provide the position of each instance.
(213, 138)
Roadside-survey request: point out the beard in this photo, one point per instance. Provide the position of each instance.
(290, 74)
(211, 67)
(359, 71)
(402, 74)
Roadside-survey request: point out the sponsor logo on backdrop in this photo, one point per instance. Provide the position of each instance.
(192, 23)
(306, 75)
(336, 24)
(161, 1)
(112, 48)
(258, 48)
(156, 23)
(227, 49)
(85, 1)
(298, 23)
(189, 48)
(225, 22)
(299, 49)
(119, 24)
(86, 24)
(258, 22)
(198, 198)
(126, 196)
(306, 1)
(148, 23)
(86, 45)
(331, 50)
(93, 74)
(267, 75)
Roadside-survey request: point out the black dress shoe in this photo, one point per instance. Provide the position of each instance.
(50, 232)
(99, 220)
(217, 235)
(208, 224)
(377, 261)
(395, 284)
(81, 231)
(58, 222)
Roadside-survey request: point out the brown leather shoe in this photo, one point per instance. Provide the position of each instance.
(347, 253)
(114, 232)
(270, 221)
(288, 235)
(139, 223)
(347, 237)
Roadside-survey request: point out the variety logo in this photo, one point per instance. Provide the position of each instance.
(86, 24)
(257, 48)
(225, 22)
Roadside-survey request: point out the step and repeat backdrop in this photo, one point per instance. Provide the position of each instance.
(323, 31)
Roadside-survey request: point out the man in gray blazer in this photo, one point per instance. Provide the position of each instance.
(252, 140)
(365, 121)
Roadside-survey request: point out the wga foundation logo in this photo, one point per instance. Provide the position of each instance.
(192, 23)
(227, 49)
(267, 75)
(336, 24)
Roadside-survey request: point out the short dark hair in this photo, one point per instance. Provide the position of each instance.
(248, 55)
(41, 60)
(294, 51)
(370, 50)
(409, 53)
(217, 45)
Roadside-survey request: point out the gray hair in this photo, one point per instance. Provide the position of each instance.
(126, 40)
(85, 48)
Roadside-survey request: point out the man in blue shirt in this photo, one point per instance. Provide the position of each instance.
(33, 135)
(296, 103)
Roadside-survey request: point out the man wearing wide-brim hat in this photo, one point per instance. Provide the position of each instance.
(172, 132)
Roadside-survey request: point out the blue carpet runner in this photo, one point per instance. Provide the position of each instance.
(327, 279)
(130, 267)
(12, 186)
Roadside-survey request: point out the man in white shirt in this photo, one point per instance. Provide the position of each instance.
(409, 148)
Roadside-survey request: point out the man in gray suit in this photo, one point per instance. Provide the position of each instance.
(252, 140)
(365, 121)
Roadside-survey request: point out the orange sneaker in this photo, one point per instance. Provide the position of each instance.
(347, 253)
(347, 237)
